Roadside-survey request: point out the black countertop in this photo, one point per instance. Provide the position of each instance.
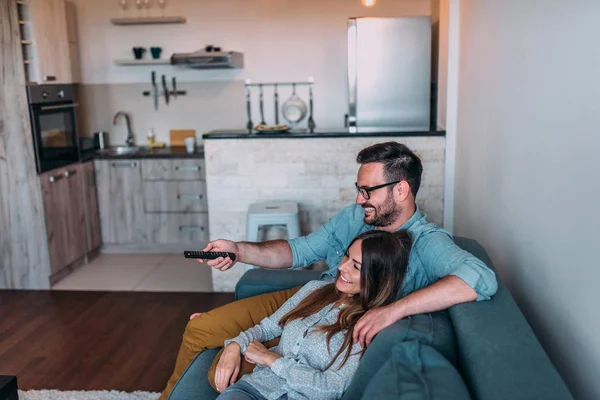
(167, 152)
(319, 133)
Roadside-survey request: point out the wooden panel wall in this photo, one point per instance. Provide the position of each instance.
(24, 261)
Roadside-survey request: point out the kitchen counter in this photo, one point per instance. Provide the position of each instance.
(319, 133)
(167, 152)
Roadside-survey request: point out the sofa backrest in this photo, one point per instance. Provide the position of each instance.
(499, 356)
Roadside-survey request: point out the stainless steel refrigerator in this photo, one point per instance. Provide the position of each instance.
(389, 74)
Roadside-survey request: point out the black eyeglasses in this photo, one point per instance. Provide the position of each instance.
(365, 191)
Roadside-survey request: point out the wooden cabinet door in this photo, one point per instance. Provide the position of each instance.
(64, 214)
(72, 37)
(120, 200)
(53, 196)
(74, 209)
(52, 55)
(91, 205)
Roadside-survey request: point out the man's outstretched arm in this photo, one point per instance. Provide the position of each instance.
(273, 254)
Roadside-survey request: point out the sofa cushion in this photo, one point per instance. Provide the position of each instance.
(433, 330)
(416, 371)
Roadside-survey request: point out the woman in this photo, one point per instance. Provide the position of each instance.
(315, 358)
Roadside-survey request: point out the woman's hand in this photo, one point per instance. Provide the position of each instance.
(257, 353)
(228, 366)
(194, 315)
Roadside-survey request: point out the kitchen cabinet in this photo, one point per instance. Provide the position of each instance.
(177, 228)
(64, 216)
(48, 31)
(73, 43)
(94, 236)
(146, 203)
(174, 170)
(173, 196)
(175, 206)
(120, 201)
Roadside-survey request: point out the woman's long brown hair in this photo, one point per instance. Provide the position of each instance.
(384, 262)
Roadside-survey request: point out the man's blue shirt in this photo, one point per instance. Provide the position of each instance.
(433, 253)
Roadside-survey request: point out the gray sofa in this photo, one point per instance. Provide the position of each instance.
(484, 350)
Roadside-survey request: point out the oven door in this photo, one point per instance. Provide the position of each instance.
(54, 135)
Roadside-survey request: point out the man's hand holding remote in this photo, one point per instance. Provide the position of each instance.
(222, 245)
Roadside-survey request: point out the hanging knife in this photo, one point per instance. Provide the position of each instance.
(276, 106)
(174, 88)
(311, 121)
(165, 88)
(154, 90)
(260, 104)
(249, 125)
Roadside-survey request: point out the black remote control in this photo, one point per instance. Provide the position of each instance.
(208, 255)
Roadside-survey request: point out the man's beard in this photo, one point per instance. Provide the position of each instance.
(387, 213)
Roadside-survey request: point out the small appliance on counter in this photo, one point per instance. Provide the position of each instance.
(52, 113)
(87, 144)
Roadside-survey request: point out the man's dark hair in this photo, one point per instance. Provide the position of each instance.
(399, 163)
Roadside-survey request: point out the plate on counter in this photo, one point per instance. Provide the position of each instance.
(272, 128)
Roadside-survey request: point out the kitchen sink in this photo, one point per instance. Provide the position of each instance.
(121, 150)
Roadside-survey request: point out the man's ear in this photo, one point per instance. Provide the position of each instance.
(403, 190)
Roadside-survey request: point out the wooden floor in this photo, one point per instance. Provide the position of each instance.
(95, 340)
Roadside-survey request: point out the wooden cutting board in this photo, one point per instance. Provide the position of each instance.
(177, 136)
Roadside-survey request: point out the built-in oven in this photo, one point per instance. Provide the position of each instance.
(52, 112)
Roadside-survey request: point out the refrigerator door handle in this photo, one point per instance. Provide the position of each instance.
(352, 71)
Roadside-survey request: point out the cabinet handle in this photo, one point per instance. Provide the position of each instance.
(49, 78)
(187, 168)
(54, 178)
(70, 173)
(191, 228)
(123, 164)
(189, 196)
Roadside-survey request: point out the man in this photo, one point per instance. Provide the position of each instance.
(439, 274)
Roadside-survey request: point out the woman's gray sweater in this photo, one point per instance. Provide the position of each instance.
(300, 373)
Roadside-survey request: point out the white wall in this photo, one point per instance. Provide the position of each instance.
(527, 176)
(282, 40)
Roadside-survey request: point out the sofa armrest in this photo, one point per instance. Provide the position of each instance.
(259, 281)
(499, 355)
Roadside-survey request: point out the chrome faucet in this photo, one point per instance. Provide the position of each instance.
(129, 140)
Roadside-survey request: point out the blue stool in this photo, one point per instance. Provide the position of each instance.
(272, 213)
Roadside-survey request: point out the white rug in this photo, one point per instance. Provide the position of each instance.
(85, 395)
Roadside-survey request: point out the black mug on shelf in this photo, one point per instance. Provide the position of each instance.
(138, 52)
(156, 51)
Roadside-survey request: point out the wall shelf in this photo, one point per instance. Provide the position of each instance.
(149, 61)
(148, 21)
